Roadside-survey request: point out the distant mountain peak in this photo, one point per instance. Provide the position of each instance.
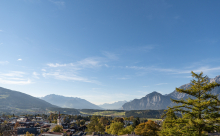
(115, 105)
(153, 93)
(69, 102)
(156, 101)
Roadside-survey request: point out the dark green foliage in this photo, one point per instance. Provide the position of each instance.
(94, 110)
(136, 122)
(145, 113)
(170, 126)
(201, 110)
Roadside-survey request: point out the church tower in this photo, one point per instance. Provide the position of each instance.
(59, 120)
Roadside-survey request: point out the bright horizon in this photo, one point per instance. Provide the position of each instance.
(106, 51)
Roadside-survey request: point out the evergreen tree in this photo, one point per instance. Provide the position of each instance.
(200, 112)
(170, 126)
(136, 122)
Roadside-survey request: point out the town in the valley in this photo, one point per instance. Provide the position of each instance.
(56, 124)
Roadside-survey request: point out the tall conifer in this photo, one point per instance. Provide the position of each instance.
(200, 112)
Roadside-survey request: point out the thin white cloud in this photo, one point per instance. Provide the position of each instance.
(19, 59)
(204, 69)
(67, 77)
(85, 63)
(3, 81)
(70, 71)
(43, 69)
(13, 74)
(1, 30)
(4, 62)
(35, 75)
(109, 55)
(89, 62)
(56, 65)
(14, 77)
(161, 84)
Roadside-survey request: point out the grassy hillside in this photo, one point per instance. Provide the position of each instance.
(15, 99)
(153, 114)
(64, 110)
(115, 113)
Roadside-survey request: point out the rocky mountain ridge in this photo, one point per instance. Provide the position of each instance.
(157, 101)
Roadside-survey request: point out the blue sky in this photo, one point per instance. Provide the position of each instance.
(106, 51)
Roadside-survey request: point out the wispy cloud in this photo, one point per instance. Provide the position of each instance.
(19, 59)
(70, 71)
(56, 65)
(109, 55)
(35, 75)
(14, 77)
(13, 74)
(204, 69)
(89, 62)
(161, 84)
(85, 63)
(3, 81)
(1, 30)
(68, 77)
(4, 62)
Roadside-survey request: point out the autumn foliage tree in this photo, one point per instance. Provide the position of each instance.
(117, 128)
(28, 134)
(95, 126)
(149, 128)
(58, 128)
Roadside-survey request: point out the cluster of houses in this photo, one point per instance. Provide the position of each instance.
(37, 126)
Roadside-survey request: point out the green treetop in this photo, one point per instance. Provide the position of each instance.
(95, 126)
(170, 126)
(200, 112)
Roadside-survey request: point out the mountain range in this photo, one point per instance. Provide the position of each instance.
(15, 99)
(157, 101)
(113, 106)
(153, 101)
(69, 102)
